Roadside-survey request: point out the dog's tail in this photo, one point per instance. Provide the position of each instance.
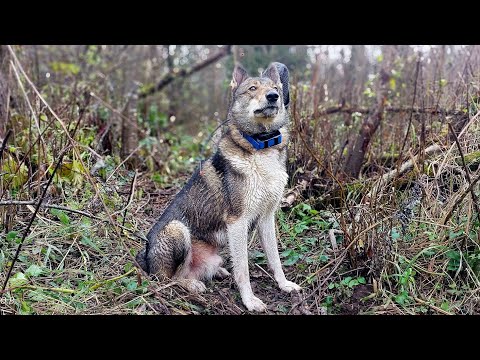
(141, 259)
(167, 248)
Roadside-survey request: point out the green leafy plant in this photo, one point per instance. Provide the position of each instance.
(61, 215)
(406, 282)
(347, 283)
(454, 260)
(342, 290)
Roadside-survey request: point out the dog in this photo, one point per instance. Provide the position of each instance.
(237, 189)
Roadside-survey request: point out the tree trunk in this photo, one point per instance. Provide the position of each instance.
(370, 125)
(3, 90)
(130, 130)
(314, 83)
(172, 106)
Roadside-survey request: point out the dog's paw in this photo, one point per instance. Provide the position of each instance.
(254, 304)
(222, 273)
(193, 285)
(289, 286)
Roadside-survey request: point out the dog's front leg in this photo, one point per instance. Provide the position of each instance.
(238, 241)
(266, 228)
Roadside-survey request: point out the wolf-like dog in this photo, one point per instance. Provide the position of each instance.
(239, 188)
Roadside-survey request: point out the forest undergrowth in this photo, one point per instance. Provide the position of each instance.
(402, 237)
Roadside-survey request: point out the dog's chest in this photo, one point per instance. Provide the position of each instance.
(265, 177)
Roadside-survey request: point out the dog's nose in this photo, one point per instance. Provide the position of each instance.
(272, 95)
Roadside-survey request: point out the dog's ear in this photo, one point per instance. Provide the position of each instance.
(239, 75)
(272, 73)
(283, 74)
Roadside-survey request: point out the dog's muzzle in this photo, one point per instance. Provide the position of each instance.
(267, 112)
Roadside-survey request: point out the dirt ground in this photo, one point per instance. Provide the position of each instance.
(222, 296)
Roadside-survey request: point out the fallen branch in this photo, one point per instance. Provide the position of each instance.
(389, 109)
(293, 194)
(386, 178)
(441, 311)
(168, 78)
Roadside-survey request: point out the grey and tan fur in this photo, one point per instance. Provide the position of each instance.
(235, 190)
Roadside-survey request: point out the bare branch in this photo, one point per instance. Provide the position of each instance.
(390, 109)
(168, 78)
(386, 178)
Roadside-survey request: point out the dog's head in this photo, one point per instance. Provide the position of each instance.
(259, 104)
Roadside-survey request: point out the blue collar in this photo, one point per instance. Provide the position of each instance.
(264, 140)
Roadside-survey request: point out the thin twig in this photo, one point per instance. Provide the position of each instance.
(96, 286)
(264, 271)
(119, 113)
(411, 113)
(33, 287)
(4, 143)
(52, 206)
(460, 199)
(37, 123)
(441, 311)
(2, 148)
(64, 127)
(312, 153)
(467, 171)
(130, 197)
(339, 261)
(465, 128)
(64, 208)
(123, 162)
(27, 230)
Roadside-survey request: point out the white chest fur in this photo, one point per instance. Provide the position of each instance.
(266, 179)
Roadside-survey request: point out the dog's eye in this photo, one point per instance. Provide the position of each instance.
(276, 88)
(252, 88)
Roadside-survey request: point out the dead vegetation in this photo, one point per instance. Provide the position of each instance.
(393, 231)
